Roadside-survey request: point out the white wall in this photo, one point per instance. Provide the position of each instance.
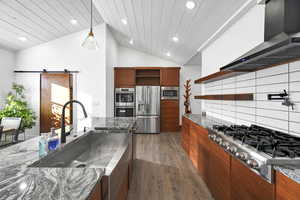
(240, 38)
(66, 52)
(132, 58)
(111, 61)
(244, 35)
(7, 63)
(192, 72)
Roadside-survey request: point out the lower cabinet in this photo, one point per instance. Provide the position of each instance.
(194, 144)
(286, 188)
(228, 178)
(123, 192)
(218, 175)
(97, 192)
(247, 185)
(185, 134)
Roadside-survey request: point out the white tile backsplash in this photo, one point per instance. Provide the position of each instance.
(281, 78)
(273, 114)
(261, 111)
(281, 125)
(272, 88)
(295, 96)
(295, 66)
(247, 76)
(272, 71)
(295, 76)
(294, 87)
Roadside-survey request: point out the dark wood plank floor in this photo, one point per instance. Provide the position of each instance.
(164, 172)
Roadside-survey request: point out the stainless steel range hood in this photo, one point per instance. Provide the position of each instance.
(282, 38)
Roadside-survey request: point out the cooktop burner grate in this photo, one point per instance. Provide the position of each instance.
(271, 142)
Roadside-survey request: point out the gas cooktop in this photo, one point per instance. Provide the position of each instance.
(258, 147)
(271, 142)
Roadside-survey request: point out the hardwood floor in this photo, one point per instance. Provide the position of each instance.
(164, 172)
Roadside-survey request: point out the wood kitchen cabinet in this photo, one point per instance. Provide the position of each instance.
(124, 77)
(194, 144)
(185, 135)
(170, 76)
(212, 162)
(198, 145)
(96, 194)
(218, 172)
(286, 188)
(203, 153)
(169, 115)
(247, 185)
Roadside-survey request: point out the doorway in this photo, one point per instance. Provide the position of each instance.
(56, 89)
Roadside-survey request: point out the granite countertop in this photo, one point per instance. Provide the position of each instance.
(205, 121)
(18, 181)
(292, 172)
(113, 123)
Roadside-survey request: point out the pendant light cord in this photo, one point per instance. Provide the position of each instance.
(91, 15)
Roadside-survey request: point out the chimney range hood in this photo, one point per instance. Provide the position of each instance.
(282, 38)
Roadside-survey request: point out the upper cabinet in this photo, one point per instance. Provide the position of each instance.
(169, 76)
(124, 77)
(129, 77)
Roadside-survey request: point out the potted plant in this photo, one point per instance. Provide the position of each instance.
(16, 106)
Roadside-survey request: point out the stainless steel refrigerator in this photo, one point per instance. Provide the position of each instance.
(148, 109)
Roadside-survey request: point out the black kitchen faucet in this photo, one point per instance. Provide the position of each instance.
(63, 124)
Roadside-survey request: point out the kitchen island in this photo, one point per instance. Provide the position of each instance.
(21, 179)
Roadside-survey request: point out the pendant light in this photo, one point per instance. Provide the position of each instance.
(90, 42)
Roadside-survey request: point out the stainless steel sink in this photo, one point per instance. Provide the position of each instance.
(93, 150)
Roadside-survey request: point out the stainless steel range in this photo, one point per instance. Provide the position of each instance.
(257, 147)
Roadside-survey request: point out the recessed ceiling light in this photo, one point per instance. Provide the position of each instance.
(23, 39)
(131, 41)
(175, 39)
(124, 21)
(73, 21)
(190, 5)
(168, 54)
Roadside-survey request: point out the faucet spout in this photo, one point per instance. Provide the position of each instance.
(63, 121)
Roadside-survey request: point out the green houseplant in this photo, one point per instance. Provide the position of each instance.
(16, 106)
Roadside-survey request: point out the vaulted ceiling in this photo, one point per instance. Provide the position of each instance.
(26, 23)
(151, 24)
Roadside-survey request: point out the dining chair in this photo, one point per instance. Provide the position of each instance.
(11, 126)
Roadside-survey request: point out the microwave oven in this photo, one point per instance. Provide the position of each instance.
(169, 93)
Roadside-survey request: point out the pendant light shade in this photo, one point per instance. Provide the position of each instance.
(90, 41)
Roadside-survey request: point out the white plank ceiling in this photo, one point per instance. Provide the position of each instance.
(40, 21)
(153, 23)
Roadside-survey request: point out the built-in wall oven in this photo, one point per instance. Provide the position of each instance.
(124, 111)
(125, 102)
(169, 93)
